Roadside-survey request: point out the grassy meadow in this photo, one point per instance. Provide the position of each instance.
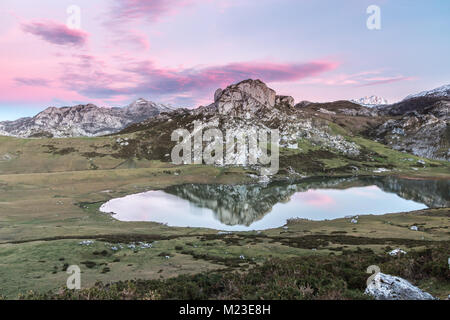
(51, 190)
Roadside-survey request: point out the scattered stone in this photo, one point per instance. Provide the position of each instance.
(380, 170)
(397, 252)
(145, 245)
(86, 242)
(224, 232)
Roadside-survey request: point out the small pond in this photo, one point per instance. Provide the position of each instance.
(265, 206)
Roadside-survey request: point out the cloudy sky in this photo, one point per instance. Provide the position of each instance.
(180, 51)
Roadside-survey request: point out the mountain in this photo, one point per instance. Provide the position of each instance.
(370, 101)
(418, 124)
(419, 102)
(442, 92)
(81, 120)
(244, 107)
(251, 104)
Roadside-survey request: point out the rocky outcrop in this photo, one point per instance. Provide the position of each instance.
(246, 96)
(82, 120)
(387, 287)
(251, 105)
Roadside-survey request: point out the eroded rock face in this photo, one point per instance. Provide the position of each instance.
(387, 287)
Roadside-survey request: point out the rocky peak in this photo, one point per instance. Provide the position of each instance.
(247, 96)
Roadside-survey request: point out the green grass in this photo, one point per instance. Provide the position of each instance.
(312, 277)
(51, 189)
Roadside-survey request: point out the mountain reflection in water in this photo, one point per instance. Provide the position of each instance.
(261, 206)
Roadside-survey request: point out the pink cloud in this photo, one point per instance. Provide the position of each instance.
(166, 81)
(35, 82)
(150, 9)
(384, 80)
(94, 78)
(360, 79)
(56, 33)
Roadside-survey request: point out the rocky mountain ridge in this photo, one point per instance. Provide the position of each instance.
(81, 120)
(419, 124)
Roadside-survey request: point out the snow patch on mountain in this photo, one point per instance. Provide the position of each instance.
(443, 91)
(370, 101)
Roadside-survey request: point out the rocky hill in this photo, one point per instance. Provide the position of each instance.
(82, 120)
(419, 124)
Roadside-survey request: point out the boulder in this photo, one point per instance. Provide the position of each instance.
(387, 287)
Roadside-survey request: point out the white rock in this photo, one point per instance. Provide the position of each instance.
(387, 287)
(397, 252)
(86, 242)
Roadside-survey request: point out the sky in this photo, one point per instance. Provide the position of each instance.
(112, 52)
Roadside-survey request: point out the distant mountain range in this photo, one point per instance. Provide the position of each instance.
(370, 101)
(82, 120)
(419, 124)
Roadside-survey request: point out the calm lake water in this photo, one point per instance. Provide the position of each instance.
(260, 207)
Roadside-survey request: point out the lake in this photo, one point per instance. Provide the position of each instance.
(265, 206)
